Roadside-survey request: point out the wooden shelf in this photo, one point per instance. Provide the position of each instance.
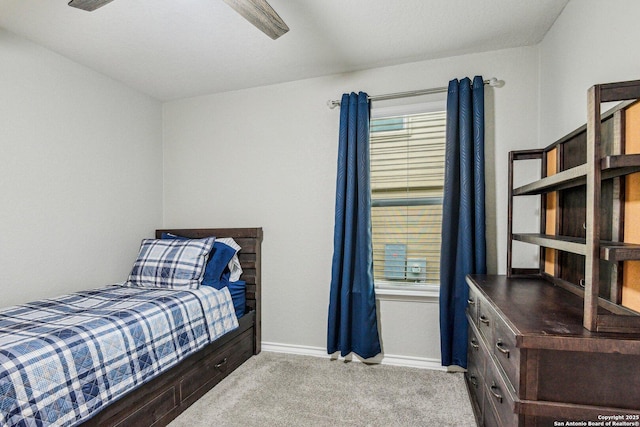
(569, 178)
(611, 166)
(622, 161)
(574, 245)
(620, 165)
(618, 251)
(609, 251)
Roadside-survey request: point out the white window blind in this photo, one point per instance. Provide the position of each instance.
(407, 176)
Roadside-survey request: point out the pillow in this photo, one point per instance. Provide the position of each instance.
(173, 264)
(217, 272)
(236, 289)
(234, 264)
(223, 265)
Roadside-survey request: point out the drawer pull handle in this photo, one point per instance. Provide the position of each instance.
(474, 344)
(471, 302)
(484, 319)
(473, 380)
(496, 395)
(221, 364)
(501, 349)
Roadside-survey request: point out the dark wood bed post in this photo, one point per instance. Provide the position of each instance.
(258, 292)
(162, 399)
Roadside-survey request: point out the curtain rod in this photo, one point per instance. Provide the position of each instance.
(493, 82)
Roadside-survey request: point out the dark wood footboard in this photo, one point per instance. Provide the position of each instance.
(162, 399)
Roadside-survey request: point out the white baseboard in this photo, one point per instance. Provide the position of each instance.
(385, 359)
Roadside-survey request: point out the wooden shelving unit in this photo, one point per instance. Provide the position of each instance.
(587, 187)
(538, 354)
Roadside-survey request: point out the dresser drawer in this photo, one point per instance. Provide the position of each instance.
(489, 416)
(476, 358)
(486, 320)
(499, 396)
(477, 352)
(473, 302)
(506, 353)
(218, 366)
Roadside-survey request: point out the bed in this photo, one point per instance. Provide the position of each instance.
(189, 364)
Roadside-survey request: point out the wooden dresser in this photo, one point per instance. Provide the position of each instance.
(559, 344)
(532, 363)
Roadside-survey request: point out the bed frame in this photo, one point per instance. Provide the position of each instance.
(162, 399)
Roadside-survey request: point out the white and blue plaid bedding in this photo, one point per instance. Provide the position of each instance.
(63, 359)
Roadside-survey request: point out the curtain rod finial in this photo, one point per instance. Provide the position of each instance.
(494, 82)
(333, 104)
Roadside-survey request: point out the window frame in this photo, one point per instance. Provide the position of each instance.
(403, 291)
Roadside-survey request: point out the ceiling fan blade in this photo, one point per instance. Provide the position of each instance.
(261, 15)
(88, 5)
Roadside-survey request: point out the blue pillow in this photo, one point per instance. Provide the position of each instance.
(216, 273)
(236, 289)
(170, 264)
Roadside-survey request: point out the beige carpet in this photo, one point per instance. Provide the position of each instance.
(273, 389)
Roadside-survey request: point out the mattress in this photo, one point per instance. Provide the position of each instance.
(64, 359)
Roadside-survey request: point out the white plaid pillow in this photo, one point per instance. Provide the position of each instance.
(172, 264)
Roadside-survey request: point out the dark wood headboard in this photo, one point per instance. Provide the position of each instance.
(250, 240)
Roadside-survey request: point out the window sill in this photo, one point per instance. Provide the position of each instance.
(409, 293)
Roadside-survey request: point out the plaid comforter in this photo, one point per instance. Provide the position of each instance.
(63, 359)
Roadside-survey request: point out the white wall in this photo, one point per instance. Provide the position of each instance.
(592, 42)
(80, 174)
(267, 157)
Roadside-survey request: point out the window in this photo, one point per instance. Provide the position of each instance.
(407, 177)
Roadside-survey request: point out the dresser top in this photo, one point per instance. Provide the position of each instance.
(543, 315)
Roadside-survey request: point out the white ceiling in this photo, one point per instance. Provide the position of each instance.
(173, 49)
